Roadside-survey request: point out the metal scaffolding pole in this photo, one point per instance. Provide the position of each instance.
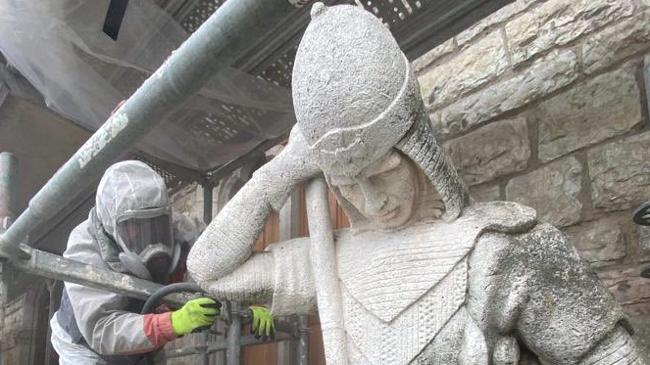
(55, 289)
(233, 339)
(222, 345)
(217, 43)
(8, 173)
(53, 266)
(303, 340)
(207, 218)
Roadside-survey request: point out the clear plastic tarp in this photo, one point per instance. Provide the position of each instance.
(59, 46)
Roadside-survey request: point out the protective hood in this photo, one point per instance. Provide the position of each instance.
(132, 198)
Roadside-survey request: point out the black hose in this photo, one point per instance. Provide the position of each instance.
(642, 214)
(150, 304)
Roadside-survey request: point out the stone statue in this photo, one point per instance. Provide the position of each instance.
(423, 276)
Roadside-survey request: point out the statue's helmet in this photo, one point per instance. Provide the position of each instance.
(355, 97)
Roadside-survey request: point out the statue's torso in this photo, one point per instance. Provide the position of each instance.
(405, 293)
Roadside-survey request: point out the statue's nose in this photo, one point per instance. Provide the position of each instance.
(375, 199)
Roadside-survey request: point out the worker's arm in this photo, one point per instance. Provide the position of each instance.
(107, 322)
(102, 316)
(109, 330)
(229, 239)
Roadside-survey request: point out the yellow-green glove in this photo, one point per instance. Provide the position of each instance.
(262, 325)
(195, 314)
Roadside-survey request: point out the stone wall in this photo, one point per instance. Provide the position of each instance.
(24, 331)
(544, 103)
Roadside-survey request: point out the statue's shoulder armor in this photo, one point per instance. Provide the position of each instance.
(499, 216)
(532, 242)
(540, 239)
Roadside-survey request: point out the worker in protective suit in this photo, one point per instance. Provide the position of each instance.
(424, 275)
(130, 230)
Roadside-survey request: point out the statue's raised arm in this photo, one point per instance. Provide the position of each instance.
(229, 239)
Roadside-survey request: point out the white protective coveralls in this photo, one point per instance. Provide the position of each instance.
(100, 327)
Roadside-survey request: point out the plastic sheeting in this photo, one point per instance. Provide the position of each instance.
(59, 46)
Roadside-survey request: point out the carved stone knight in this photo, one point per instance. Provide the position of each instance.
(424, 275)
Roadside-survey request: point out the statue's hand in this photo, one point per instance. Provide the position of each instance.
(292, 166)
(298, 155)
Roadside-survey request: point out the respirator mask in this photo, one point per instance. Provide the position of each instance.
(147, 242)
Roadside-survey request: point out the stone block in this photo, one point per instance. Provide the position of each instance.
(558, 22)
(604, 107)
(485, 193)
(494, 150)
(467, 70)
(552, 190)
(629, 288)
(497, 17)
(617, 42)
(433, 55)
(644, 239)
(600, 243)
(544, 76)
(620, 173)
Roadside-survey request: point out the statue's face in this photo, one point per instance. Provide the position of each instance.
(383, 192)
